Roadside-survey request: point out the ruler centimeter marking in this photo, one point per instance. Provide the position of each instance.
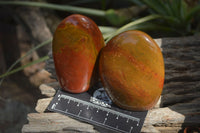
(96, 106)
(82, 108)
(97, 123)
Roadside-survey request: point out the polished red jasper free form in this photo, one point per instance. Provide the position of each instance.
(76, 45)
(132, 70)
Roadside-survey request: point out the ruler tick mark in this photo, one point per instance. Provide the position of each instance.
(53, 106)
(59, 97)
(79, 112)
(117, 117)
(131, 129)
(107, 114)
(68, 101)
(104, 121)
(127, 120)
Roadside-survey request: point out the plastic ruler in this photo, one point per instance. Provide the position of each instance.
(97, 109)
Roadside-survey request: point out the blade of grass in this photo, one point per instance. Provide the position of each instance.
(68, 8)
(191, 13)
(148, 26)
(183, 10)
(106, 29)
(24, 66)
(169, 7)
(172, 20)
(137, 2)
(78, 2)
(136, 22)
(176, 8)
(107, 35)
(155, 6)
(28, 53)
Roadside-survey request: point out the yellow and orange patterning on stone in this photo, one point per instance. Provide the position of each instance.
(76, 45)
(132, 70)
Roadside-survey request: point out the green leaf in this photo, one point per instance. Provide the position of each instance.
(22, 67)
(137, 2)
(72, 9)
(172, 20)
(192, 12)
(148, 26)
(28, 53)
(156, 6)
(78, 2)
(107, 29)
(136, 22)
(169, 7)
(183, 10)
(115, 18)
(176, 6)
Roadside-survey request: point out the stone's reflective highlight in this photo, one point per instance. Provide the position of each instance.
(76, 45)
(132, 70)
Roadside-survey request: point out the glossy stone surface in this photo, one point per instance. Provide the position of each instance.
(132, 70)
(76, 45)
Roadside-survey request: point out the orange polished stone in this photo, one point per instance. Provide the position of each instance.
(76, 45)
(132, 70)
